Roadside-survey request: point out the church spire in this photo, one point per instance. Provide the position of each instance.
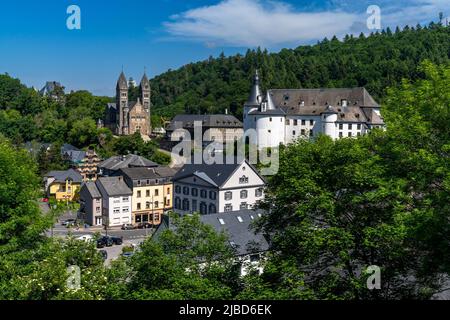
(255, 93)
(122, 82)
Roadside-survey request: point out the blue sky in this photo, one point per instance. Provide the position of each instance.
(36, 45)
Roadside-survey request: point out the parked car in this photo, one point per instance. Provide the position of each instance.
(45, 200)
(128, 226)
(105, 241)
(68, 222)
(116, 240)
(144, 225)
(86, 238)
(104, 254)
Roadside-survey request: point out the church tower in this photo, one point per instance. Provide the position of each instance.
(144, 90)
(122, 104)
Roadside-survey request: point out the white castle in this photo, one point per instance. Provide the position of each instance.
(282, 116)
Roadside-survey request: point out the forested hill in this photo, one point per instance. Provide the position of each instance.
(375, 62)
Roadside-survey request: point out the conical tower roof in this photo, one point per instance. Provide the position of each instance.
(270, 103)
(145, 84)
(255, 92)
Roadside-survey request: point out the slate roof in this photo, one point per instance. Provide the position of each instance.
(241, 236)
(186, 121)
(322, 97)
(114, 186)
(121, 162)
(62, 176)
(216, 174)
(66, 147)
(148, 173)
(93, 189)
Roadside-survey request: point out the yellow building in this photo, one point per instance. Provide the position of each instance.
(62, 185)
(152, 192)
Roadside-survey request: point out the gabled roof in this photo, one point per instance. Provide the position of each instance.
(114, 186)
(128, 161)
(216, 174)
(148, 173)
(237, 225)
(62, 176)
(92, 189)
(66, 147)
(186, 121)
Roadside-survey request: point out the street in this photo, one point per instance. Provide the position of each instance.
(130, 237)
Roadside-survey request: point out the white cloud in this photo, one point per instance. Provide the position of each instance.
(256, 23)
(269, 23)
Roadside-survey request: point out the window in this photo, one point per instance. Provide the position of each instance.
(139, 183)
(156, 193)
(303, 122)
(156, 204)
(349, 134)
(244, 194)
(147, 193)
(340, 135)
(228, 195)
(177, 189)
(243, 180)
(194, 192)
(139, 194)
(259, 192)
(293, 133)
(168, 190)
(311, 133)
(98, 210)
(186, 191)
(270, 119)
(203, 208)
(177, 203)
(288, 122)
(359, 126)
(221, 221)
(116, 210)
(203, 194)
(341, 126)
(125, 209)
(147, 205)
(350, 126)
(243, 206)
(212, 195)
(194, 205)
(138, 206)
(125, 199)
(148, 182)
(116, 200)
(228, 208)
(311, 122)
(295, 122)
(212, 209)
(185, 205)
(303, 132)
(358, 134)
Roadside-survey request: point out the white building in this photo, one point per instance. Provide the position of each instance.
(282, 116)
(116, 201)
(217, 188)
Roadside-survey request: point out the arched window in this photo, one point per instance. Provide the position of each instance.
(203, 208)
(244, 194)
(212, 209)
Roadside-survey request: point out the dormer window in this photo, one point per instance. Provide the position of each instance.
(344, 102)
(302, 103)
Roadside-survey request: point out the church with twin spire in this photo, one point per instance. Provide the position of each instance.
(126, 117)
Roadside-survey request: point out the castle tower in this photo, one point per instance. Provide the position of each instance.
(270, 127)
(144, 89)
(253, 102)
(329, 118)
(122, 103)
